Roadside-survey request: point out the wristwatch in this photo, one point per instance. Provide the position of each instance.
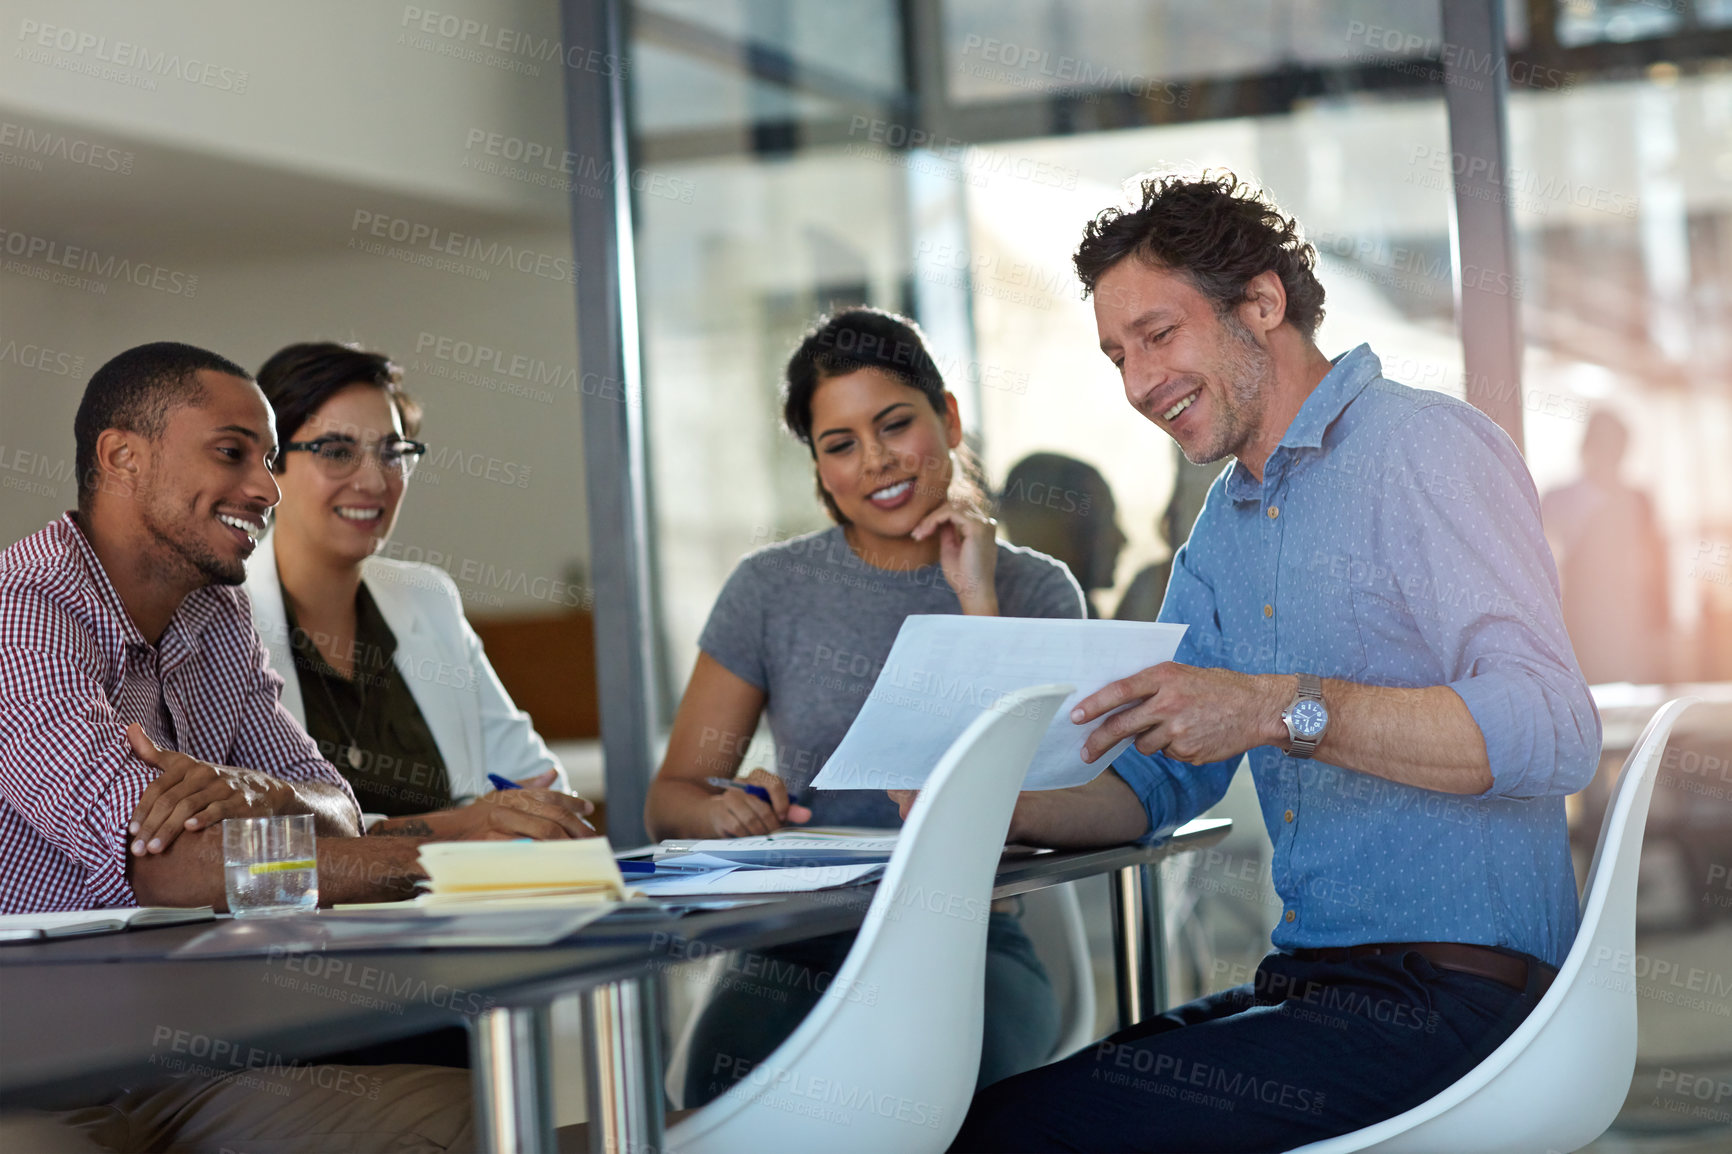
(1306, 717)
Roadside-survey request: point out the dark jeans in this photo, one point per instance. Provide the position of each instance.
(759, 1003)
(1307, 1051)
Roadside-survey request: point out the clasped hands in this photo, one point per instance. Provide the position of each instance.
(533, 810)
(189, 794)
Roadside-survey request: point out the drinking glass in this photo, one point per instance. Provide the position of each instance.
(269, 866)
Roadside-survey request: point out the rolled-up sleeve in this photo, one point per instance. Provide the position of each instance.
(1482, 590)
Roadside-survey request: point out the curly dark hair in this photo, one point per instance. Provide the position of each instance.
(1219, 231)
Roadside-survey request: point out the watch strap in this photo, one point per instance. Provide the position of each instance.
(1310, 689)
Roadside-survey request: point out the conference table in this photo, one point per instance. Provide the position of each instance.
(80, 1016)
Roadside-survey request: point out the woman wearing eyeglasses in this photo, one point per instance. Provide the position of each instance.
(376, 658)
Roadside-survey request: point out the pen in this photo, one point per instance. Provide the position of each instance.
(502, 782)
(640, 868)
(756, 791)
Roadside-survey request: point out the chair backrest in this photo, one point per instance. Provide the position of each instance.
(1557, 1082)
(888, 1058)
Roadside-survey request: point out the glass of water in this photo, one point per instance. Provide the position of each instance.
(269, 865)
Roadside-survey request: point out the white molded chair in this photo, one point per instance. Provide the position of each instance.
(887, 1059)
(1559, 1080)
(1052, 918)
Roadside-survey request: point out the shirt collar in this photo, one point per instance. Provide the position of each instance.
(1340, 386)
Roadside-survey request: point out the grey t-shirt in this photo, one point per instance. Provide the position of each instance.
(810, 624)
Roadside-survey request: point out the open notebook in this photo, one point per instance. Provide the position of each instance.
(73, 923)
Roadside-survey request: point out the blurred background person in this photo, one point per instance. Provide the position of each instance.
(1143, 596)
(378, 662)
(1611, 558)
(1064, 508)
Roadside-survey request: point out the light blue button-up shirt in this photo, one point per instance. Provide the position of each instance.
(1394, 540)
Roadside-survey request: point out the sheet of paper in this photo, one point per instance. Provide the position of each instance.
(789, 848)
(390, 929)
(944, 670)
(760, 881)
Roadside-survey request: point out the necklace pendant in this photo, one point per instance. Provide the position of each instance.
(354, 757)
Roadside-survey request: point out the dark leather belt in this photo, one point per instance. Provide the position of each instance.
(1480, 961)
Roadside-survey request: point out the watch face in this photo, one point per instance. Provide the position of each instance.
(1309, 718)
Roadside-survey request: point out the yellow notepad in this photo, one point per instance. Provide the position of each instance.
(464, 872)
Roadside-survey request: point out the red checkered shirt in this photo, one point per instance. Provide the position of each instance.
(74, 672)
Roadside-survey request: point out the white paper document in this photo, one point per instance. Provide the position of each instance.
(391, 929)
(789, 847)
(945, 669)
(758, 881)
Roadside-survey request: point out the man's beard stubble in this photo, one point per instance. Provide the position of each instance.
(1247, 372)
(180, 554)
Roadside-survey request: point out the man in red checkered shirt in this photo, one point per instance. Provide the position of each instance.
(132, 686)
(137, 709)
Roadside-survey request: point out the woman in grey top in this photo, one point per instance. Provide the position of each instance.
(802, 628)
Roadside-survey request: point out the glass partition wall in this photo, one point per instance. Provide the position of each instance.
(941, 158)
(928, 159)
(941, 161)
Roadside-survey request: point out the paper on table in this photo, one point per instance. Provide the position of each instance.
(391, 929)
(760, 881)
(789, 848)
(944, 669)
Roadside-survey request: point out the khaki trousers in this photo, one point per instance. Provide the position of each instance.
(318, 1109)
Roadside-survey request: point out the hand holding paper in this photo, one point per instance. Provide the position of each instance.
(1192, 713)
(944, 669)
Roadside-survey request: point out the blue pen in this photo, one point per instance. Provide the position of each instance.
(663, 867)
(756, 791)
(502, 782)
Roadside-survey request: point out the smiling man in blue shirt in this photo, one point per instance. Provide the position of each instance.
(1374, 619)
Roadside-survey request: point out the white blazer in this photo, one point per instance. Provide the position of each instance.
(473, 721)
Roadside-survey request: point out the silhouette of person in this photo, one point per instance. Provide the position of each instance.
(1064, 508)
(1611, 558)
(1143, 596)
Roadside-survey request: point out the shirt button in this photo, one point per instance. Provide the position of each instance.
(1289, 815)
(1268, 611)
(1291, 915)
(1274, 512)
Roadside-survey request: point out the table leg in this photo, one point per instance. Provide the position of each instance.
(1138, 950)
(513, 1107)
(622, 1040)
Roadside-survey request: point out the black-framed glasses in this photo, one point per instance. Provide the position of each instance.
(339, 457)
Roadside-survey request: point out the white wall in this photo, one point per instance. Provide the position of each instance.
(353, 185)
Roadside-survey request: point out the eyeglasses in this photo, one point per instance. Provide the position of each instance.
(339, 457)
